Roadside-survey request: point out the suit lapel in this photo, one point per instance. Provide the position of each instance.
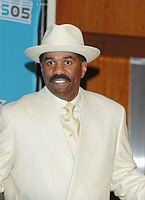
(45, 118)
(49, 128)
(89, 137)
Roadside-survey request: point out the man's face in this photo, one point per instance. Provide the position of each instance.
(62, 72)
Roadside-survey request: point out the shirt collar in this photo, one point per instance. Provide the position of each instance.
(60, 103)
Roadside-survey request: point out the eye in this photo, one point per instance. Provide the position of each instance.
(68, 62)
(50, 63)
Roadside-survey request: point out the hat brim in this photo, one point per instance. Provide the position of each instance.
(90, 53)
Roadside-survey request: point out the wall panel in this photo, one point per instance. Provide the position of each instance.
(112, 78)
(122, 17)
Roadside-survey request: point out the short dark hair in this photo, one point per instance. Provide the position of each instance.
(81, 57)
(41, 57)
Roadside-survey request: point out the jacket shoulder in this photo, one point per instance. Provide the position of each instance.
(27, 101)
(100, 102)
(101, 99)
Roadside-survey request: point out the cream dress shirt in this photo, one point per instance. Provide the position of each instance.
(59, 105)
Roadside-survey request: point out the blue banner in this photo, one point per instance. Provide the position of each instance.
(19, 21)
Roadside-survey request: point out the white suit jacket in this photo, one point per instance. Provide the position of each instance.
(36, 162)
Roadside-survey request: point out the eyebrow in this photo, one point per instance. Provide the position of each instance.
(68, 57)
(49, 58)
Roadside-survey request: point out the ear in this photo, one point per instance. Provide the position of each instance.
(84, 69)
(41, 67)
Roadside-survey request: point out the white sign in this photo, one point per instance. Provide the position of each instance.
(16, 10)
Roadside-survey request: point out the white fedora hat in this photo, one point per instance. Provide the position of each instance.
(65, 37)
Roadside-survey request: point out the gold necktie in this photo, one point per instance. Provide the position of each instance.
(71, 123)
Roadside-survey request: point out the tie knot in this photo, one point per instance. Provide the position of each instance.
(69, 107)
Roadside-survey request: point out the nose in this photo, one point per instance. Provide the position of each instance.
(59, 68)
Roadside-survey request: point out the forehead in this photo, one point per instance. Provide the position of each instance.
(60, 55)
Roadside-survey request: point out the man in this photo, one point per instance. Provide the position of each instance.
(41, 157)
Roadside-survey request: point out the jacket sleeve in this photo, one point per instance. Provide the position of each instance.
(6, 149)
(128, 183)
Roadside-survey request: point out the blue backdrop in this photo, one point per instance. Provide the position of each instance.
(18, 30)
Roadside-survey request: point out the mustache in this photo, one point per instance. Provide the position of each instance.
(56, 76)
